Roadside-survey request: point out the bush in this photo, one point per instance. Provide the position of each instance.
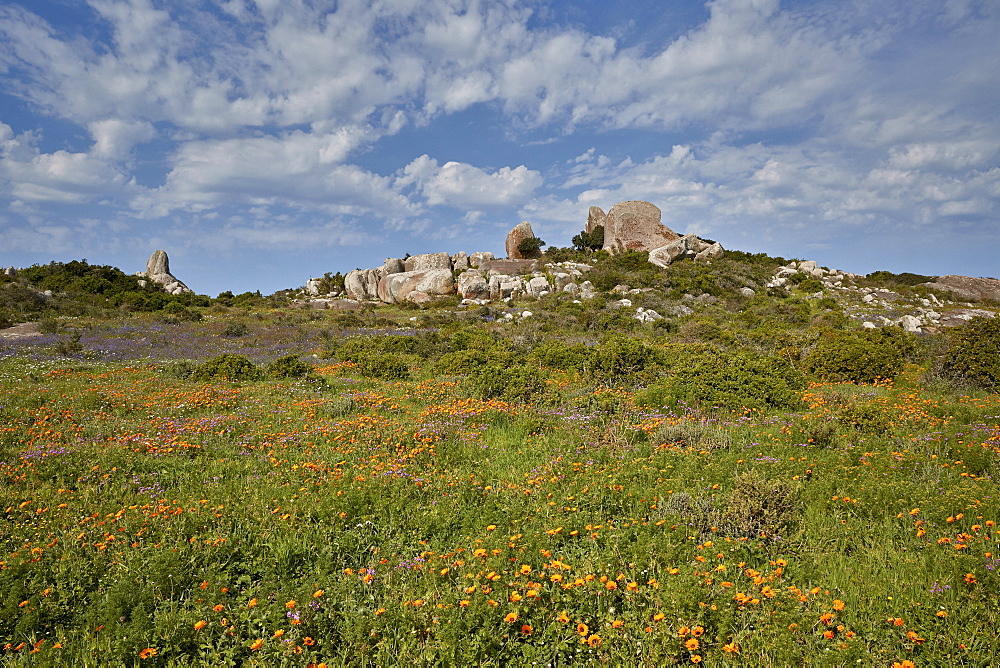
(861, 356)
(289, 366)
(235, 330)
(973, 354)
(759, 507)
(227, 366)
(705, 377)
(387, 366)
(620, 360)
(530, 247)
(519, 383)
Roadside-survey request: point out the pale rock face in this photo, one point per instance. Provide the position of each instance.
(747, 292)
(158, 271)
(713, 252)
(595, 217)
(688, 246)
(910, 323)
(312, 286)
(538, 286)
(415, 286)
(514, 239)
(635, 225)
(472, 284)
(479, 258)
(393, 265)
(362, 284)
(428, 261)
(967, 287)
(587, 290)
(460, 261)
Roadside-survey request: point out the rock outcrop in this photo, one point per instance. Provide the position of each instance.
(635, 225)
(428, 261)
(362, 284)
(688, 246)
(415, 286)
(967, 288)
(158, 271)
(514, 239)
(595, 217)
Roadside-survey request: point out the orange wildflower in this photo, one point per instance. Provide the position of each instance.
(256, 644)
(148, 653)
(200, 624)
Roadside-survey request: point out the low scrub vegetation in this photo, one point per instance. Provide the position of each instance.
(749, 480)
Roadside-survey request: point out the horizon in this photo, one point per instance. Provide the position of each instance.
(261, 144)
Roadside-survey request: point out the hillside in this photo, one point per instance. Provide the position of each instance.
(691, 463)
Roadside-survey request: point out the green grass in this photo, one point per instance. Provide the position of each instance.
(412, 523)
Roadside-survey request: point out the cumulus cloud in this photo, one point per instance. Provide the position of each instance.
(464, 186)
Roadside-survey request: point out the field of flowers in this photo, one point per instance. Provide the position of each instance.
(152, 519)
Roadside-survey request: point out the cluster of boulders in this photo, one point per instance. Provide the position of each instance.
(158, 271)
(481, 277)
(635, 225)
(880, 307)
(830, 277)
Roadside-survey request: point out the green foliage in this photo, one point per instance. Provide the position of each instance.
(973, 354)
(559, 355)
(530, 247)
(235, 330)
(289, 366)
(589, 241)
(761, 507)
(704, 376)
(520, 383)
(861, 356)
(227, 366)
(888, 278)
(623, 360)
(386, 366)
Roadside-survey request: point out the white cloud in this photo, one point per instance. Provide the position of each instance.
(464, 186)
(298, 170)
(29, 176)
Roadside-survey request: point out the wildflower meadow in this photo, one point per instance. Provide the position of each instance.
(367, 495)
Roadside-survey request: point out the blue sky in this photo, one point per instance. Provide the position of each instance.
(262, 142)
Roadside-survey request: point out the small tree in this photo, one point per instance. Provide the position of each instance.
(590, 241)
(530, 247)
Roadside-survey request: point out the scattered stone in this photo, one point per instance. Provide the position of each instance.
(647, 315)
(747, 292)
(312, 286)
(538, 286)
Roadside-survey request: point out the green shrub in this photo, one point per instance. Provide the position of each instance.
(760, 507)
(289, 366)
(621, 360)
(559, 355)
(861, 356)
(227, 366)
(530, 247)
(705, 377)
(235, 330)
(386, 366)
(519, 383)
(461, 362)
(973, 354)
